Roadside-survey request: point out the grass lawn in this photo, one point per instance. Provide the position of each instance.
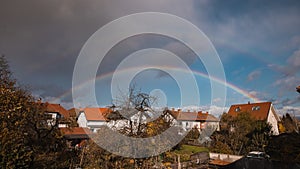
(188, 149)
(185, 151)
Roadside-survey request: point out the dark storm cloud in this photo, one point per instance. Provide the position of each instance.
(42, 39)
(139, 42)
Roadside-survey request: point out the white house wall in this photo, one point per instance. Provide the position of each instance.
(62, 125)
(273, 121)
(95, 123)
(213, 125)
(188, 124)
(82, 122)
(52, 121)
(192, 124)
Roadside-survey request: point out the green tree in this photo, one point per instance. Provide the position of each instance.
(220, 147)
(285, 147)
(289, 123)
(243, 124)
(241, 134)
(259, 136)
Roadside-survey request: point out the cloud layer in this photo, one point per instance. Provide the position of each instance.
(258, 40)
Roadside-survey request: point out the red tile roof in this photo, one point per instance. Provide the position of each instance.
(96, 114)
(75, 130)
(76, 133)
(258, 111)
(193, 116)
(211, 118)
(219, 162)
(56, 108)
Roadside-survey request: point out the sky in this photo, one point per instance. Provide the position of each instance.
(258, 43)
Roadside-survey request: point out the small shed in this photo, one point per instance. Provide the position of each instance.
(200, 158)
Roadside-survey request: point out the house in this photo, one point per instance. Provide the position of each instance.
(199, 120)
(92, 118)
(219, 160)
(58, 115)
(259, 111)
(200, 158)
(75, 136)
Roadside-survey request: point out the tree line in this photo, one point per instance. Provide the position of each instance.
(26, 139)
(242, 134)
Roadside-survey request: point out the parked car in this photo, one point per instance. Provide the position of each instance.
(258, 154)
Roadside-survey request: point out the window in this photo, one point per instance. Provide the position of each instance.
(59, 116)
(237, 109)
(255, 108)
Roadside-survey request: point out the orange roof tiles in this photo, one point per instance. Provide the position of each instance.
(96, 114)
(56, 108)
(219, 162)
(193, 116)
(258, 111)
(211, 118)
(187, 116)
(75, 131)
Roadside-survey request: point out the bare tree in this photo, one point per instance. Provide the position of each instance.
(132, 112)
(131, 115)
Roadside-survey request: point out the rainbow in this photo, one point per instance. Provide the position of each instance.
(196, 73)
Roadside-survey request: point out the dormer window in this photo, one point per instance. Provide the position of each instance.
(237, 109)
(255, 108)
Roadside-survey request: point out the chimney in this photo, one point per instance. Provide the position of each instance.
(248, 102)
(173, 109)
